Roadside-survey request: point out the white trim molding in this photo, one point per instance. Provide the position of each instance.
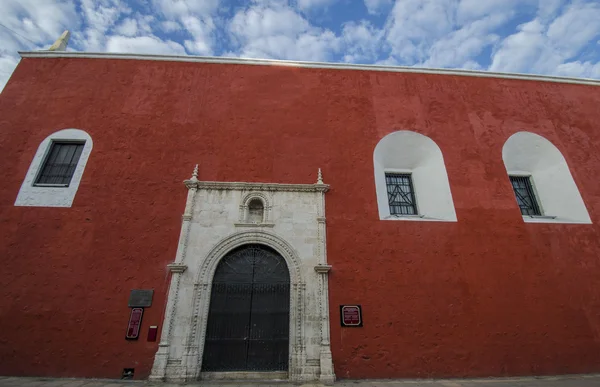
(320, 65)
(43, 196)
(227, 186)
(529, 154)
(213, 213)
(412, 153)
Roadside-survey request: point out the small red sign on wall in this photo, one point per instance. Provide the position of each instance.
(152, 333)
(135, 323)
(351, 315)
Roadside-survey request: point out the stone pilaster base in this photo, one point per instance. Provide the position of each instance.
(327, 376)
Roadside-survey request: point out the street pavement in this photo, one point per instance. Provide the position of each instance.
(547, 381)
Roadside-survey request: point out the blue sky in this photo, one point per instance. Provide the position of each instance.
(553, 37)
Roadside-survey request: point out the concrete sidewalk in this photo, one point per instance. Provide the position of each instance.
(546, 381)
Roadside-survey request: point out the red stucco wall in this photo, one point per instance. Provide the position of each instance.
(487, 295)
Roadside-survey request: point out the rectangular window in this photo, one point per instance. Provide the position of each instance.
(525, 195)
(60, 164)
(401, 195)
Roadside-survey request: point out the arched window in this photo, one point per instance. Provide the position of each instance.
(256, 211)
(411, 179)
(56, 170)
(542, 182)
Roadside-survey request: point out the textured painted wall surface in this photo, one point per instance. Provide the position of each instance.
(487, 295)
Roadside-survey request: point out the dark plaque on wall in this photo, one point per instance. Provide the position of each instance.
(351, 315)
(140, 298)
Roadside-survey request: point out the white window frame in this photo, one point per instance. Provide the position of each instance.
(418, 155)
(557, 195)
(32, 195)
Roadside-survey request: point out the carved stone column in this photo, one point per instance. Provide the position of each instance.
(177, 268)
(327, 375)
(191, 355)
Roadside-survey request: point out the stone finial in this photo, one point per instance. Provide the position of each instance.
(319, 177)
(61, 43)
(195, 173)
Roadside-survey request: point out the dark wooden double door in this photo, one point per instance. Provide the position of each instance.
(248, 319)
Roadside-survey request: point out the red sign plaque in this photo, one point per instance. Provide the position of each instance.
(135, 323)
(152, 333)
(351, 315)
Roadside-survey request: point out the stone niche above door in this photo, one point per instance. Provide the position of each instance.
(221, 218)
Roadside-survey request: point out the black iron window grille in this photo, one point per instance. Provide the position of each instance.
(525, 195)
(401, 194)
(60, 164)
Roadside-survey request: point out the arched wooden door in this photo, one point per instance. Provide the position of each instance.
(249, 314)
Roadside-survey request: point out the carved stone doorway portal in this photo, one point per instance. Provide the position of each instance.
(249, 287)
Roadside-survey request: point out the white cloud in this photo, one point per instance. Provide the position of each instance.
(196, 16)
(471, 65)
(201, 30)
(257, 22)
(280, 32)
(307, 5)
(362, 42)
(35, 25)
(143, 45)
(548, 8)
(100, 16)
(313, 46)
(128, 27)
(271, 3)
(170, 26)
(145, 24)
(39, 21)
(375, 7)
(577, 26)
(517, 51)
(549, 48)
(446, 33)
(174, 9)
(7, 65)
(579, 69)
(414, 25)
(469, 10)
(458, 48)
